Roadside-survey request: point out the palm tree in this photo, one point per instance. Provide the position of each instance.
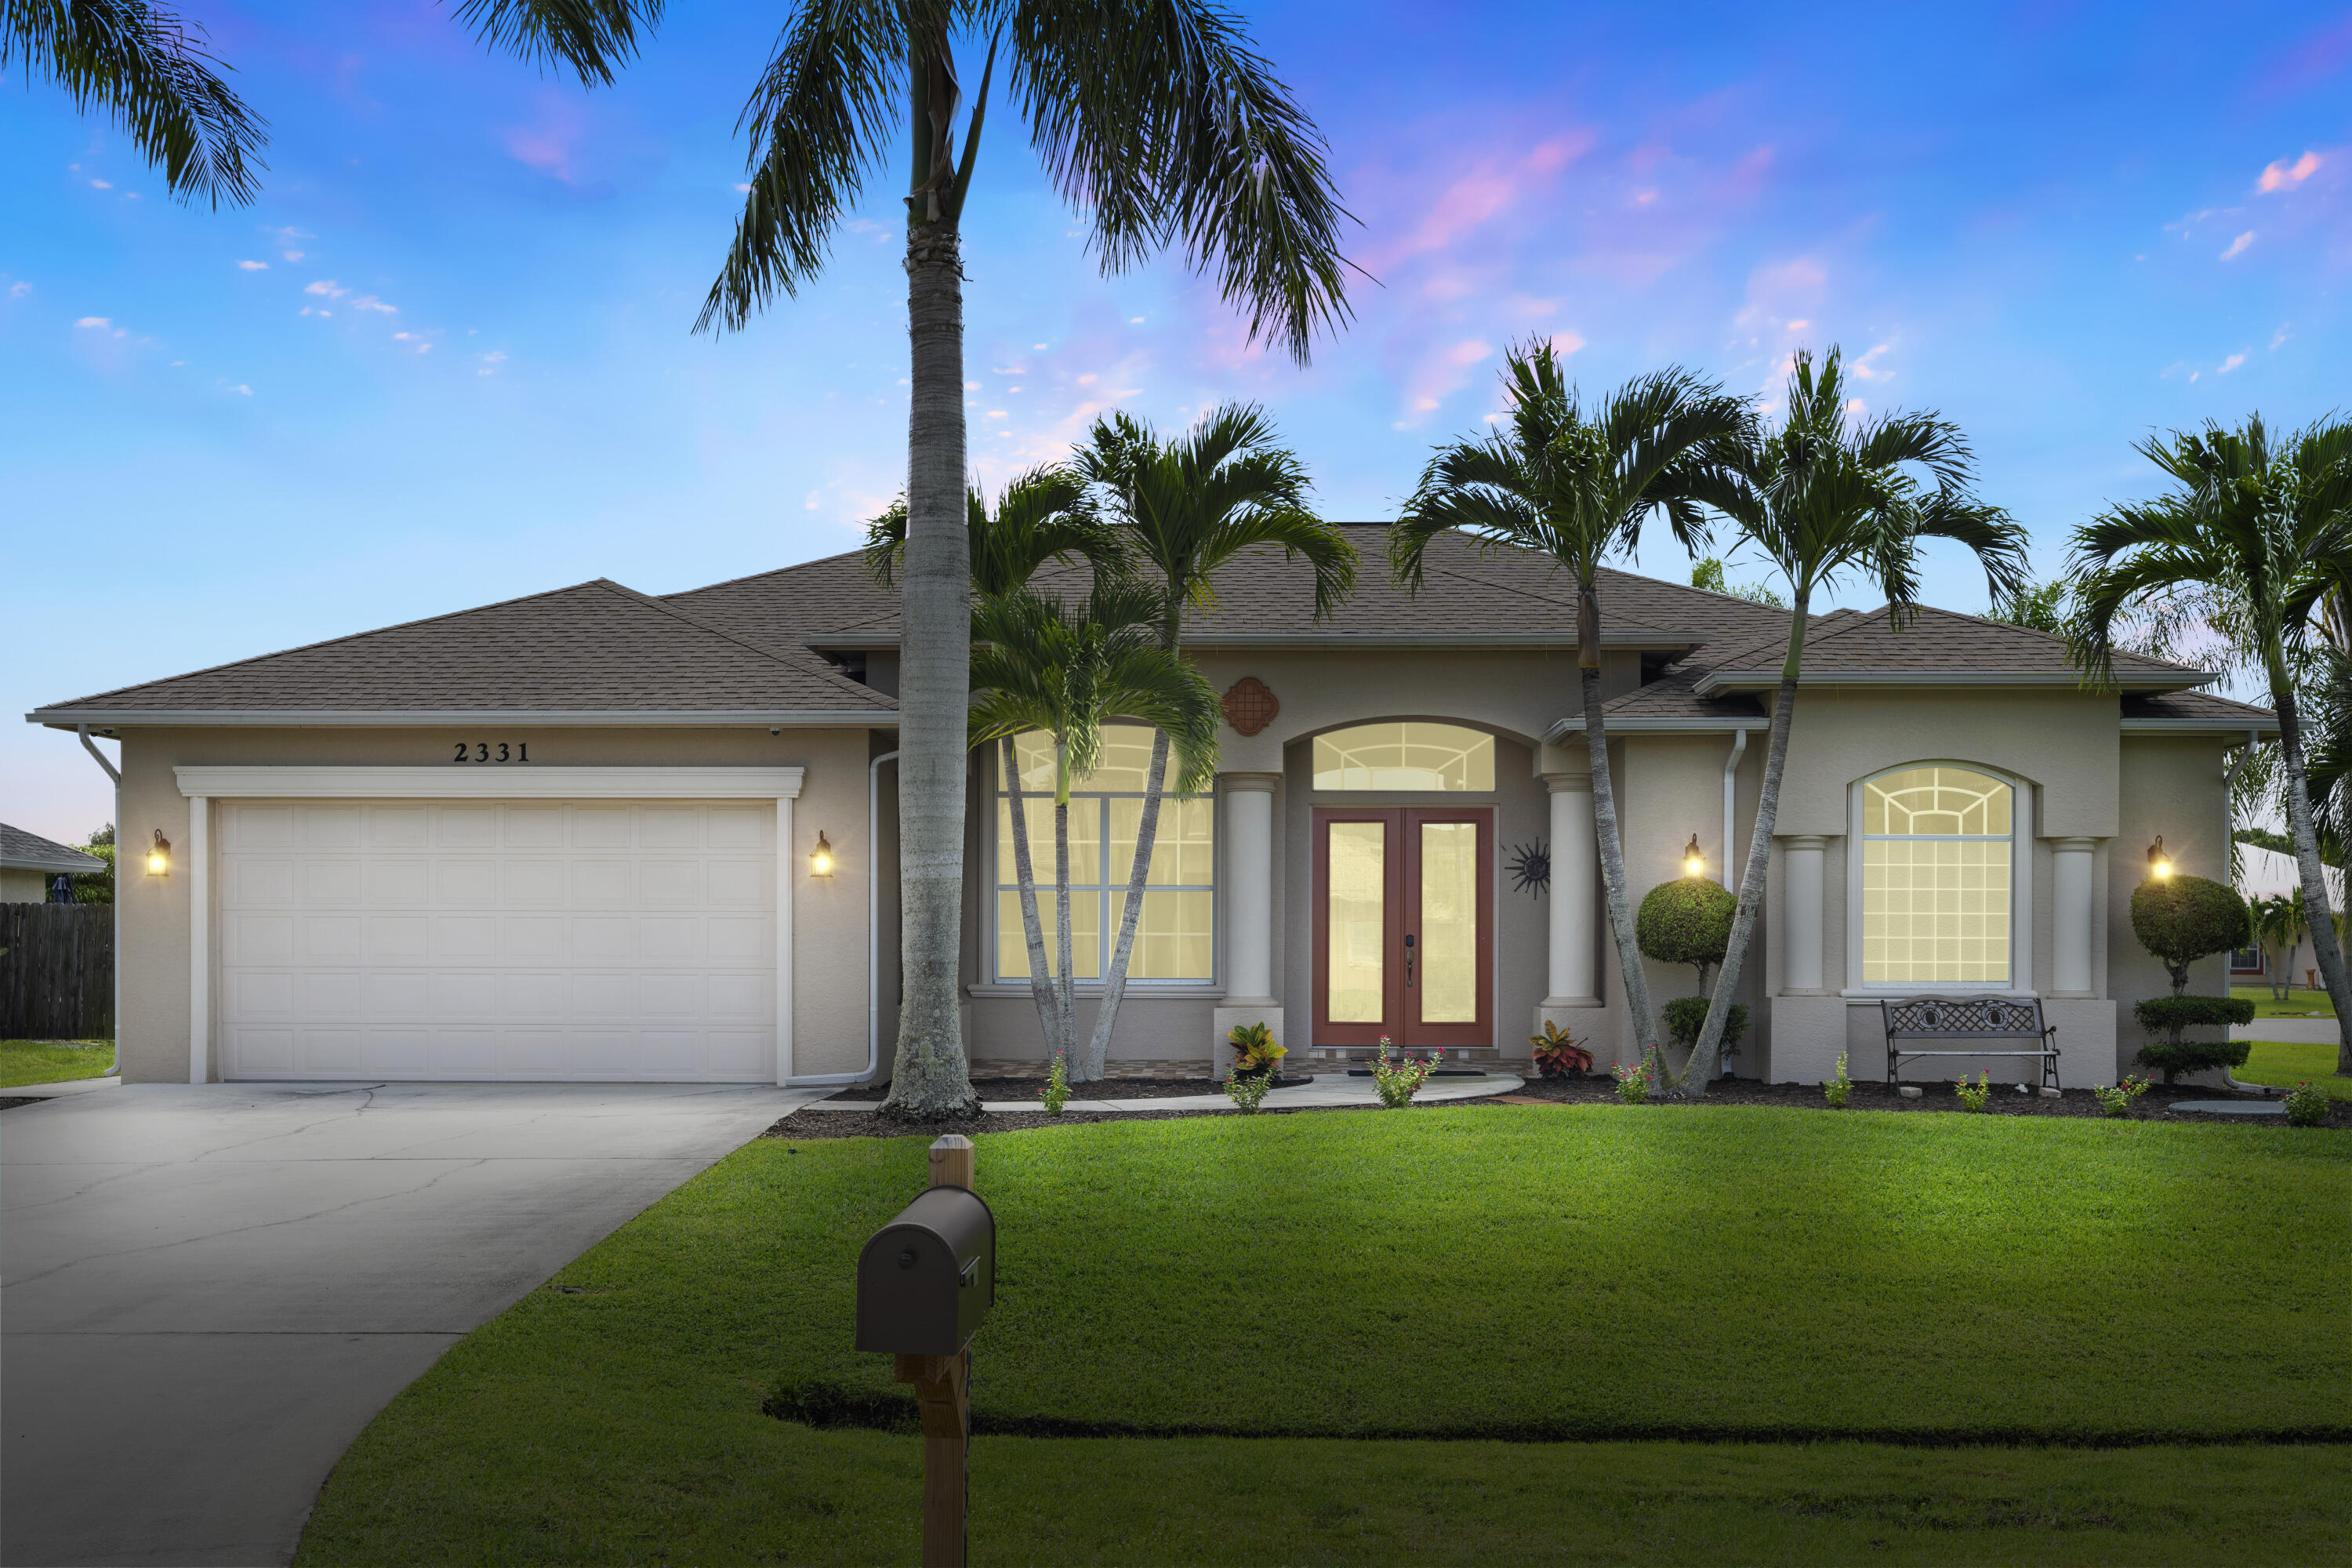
(1577, 481)
(2266, 522)
(1039, 666)
(1185, 507)
(1825, 496)
(1157, 121)
(1044, 515)
(2279, 924)
(152, 75)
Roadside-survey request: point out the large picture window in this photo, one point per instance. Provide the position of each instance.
(1937, 870)
(1407, 756)
(1174, 934)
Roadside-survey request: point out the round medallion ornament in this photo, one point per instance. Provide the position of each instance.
(1249, 707)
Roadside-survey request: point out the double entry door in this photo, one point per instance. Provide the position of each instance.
(1403, 926)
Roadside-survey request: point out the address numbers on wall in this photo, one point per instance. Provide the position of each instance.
(492, 752)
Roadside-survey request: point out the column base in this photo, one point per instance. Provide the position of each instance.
(1237, 1011)
(1808, 1033)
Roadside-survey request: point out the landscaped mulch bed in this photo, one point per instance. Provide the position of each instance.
(1108, 1089)
(2154, 1106)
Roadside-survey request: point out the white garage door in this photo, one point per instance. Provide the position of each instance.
(498, 939)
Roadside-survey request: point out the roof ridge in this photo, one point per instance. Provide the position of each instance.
(801, 659)
(770, 571)
(330, 642)
(2052, 636)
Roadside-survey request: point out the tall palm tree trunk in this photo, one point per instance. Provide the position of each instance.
(1093, 1063)
(1065, 988)
(2325, 947)
(1604, 824)
(1025, 870)
(1753, 879)
(931, 1077)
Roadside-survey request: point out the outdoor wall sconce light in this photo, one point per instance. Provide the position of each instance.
(2160, 864)
(159, 856)
(821, 858)
(1694, 859)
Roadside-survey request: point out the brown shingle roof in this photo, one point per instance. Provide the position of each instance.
(23, 851)
(2197, 707)
(1934, 643)
(596, 646)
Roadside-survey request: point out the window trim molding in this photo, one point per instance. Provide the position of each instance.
(989, 985)
(2021, 881)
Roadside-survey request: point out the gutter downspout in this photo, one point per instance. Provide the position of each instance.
(115, 774)
(2229, 823)
(873, 946)
(1730, 794)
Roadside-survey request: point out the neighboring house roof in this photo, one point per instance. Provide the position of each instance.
(23, 851)
(1264, 598)
(595, 652)
(1932, 647)
(2194, 711)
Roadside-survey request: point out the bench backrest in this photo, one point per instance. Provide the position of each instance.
(1964, 1018)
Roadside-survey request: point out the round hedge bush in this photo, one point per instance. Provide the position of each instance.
(2183, 919)
(1687, 920)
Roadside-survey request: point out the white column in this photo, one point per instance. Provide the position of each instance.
(200, 937)
(1800, 941)
(787, 868)
(1249, 887)
(2070, 862)
(1575, 891)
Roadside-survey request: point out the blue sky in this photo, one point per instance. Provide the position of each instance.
(446, 359)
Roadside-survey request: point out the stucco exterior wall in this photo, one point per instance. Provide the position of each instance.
(25, 887)
(829, 950)
(2169, 786)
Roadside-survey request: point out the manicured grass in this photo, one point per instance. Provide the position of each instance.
(1469, 1271)
(53, 1061)
(2285, 1063)
(2298, 1004)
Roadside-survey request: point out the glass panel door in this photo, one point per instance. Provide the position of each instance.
(1449, 922)
(1355, 987)
(1403, 946)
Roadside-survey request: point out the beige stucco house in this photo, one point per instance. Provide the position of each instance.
(29, 864)
(577, 836)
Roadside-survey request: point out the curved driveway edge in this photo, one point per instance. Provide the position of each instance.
(207, 1291)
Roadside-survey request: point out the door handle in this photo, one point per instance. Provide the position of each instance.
(1407, 960)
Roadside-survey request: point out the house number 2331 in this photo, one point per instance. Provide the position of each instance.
(492, 752)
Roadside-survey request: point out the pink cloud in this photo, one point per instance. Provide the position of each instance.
(1466, 204)
(2282, 175)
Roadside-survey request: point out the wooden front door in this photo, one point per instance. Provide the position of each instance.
(1405, 937)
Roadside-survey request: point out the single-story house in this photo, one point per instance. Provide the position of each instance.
(577, 835)
(30, 865)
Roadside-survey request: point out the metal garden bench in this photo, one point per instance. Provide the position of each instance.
(1981, 1023)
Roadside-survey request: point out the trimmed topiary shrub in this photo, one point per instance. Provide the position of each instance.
(2173, 1055)
(1687, 920)
(1687, 1015)
(2183, 919)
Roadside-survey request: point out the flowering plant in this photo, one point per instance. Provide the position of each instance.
(1557, 1054)
(1633, 1079)
(2117, 1101)
(1836, 1089)
(2306, 1104)
(1399, 1080)
(1058, 1086)
(1974, 1095)
(1247, 1090)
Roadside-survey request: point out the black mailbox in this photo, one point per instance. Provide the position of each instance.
(927, 1279)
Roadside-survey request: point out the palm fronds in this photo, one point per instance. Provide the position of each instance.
(150, 72)
(594, 39)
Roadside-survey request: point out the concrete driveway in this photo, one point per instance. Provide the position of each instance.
(205, 1292)
(2305, 1031)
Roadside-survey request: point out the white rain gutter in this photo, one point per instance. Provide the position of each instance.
(2229, 825)
(873, 944)
(115, 774)
(1730, 794)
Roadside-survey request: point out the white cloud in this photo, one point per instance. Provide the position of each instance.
(1039, 346)
(744, 190)
(1799, 326)
(1135, 321)
(293, 254)
(242, 390)
(2232, 363)
(369, 302)
(253, 266)
(490, 362)
(18, 290)
(327, 287)
(99, 322)
(2238, 245)
(102, 184)
(1864, 370)
(316, 311)
(2276, 338)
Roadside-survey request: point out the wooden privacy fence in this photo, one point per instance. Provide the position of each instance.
(57, 977)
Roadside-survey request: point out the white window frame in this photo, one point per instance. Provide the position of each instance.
(2020, 880)
(1003, 878)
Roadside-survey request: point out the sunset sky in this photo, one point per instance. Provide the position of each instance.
(446, 358)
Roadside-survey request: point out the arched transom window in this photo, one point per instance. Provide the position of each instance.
(1936, 869)
(1411, 755)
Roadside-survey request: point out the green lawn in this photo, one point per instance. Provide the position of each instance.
(53, 1061)
(2298, 1004)
(2285, 1063)
(1475, 1272)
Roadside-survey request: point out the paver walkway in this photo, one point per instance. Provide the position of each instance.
(1330, 1091)
(207, 1291)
